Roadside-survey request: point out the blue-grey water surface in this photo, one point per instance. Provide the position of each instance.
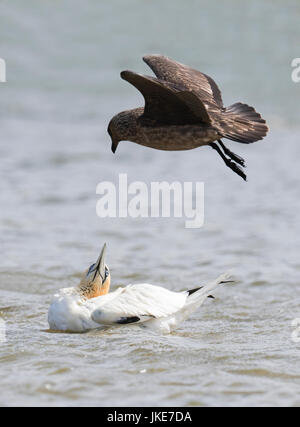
(63, 63)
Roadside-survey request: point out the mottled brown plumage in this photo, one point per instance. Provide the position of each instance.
(184, 110)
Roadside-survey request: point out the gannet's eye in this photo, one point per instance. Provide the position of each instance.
(106, 272)
(91, 269)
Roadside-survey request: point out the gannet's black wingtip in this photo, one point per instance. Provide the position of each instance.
(191, 291)
(125, 320)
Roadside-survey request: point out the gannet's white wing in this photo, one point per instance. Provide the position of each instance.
(139, 303)
(193, 302)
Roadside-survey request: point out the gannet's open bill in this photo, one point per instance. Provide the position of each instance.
(90, 305)
(184, 110)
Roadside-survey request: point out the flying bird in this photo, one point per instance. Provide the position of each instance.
(90, 304)
(184, 110)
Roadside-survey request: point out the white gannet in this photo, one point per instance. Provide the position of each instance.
(89, 305)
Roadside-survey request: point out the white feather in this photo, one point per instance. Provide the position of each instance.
(156, 307)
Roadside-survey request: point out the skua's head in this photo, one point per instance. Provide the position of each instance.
(122, 127)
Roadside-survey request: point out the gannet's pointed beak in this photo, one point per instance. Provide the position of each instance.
(96, 281)
(100, 264)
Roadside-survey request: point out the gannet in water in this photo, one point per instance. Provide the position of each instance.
(90, 305)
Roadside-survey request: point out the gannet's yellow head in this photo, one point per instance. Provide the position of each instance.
(96, 280)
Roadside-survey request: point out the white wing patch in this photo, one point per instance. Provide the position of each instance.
(144, 301)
